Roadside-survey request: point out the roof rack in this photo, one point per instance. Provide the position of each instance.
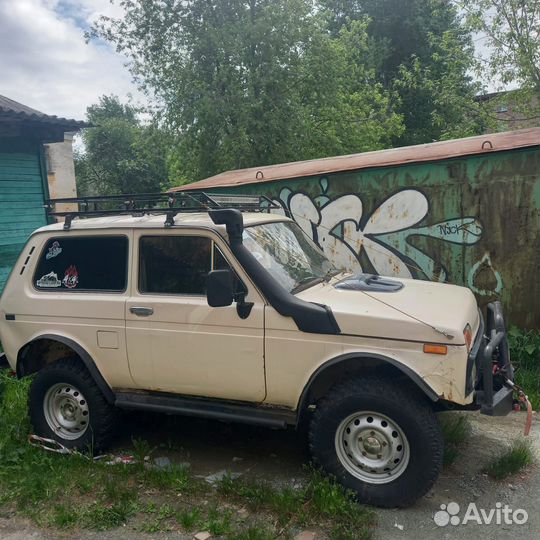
(169, 204)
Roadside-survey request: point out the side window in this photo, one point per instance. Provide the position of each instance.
(83, 263)
(174, 264)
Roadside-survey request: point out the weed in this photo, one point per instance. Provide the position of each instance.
(115, 490)
(62, 517)
(175, 477)
(166, 511)
(456, 429)
(321, 500)
(158, 524)
(101, 517)
(43, 487)
(525, 354)
(331, 501)
(255, 532)
(190, 519)
(151, 527)
(150, 508)
(141, 450)
(218, 523)
(512, 460)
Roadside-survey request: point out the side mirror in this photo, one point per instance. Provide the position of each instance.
(219, 288)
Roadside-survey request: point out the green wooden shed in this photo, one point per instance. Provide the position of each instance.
(23, 174)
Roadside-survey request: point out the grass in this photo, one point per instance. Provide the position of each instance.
(72, 491)
(511, 460)
(525, 356)
(456, 429)
(321, 501)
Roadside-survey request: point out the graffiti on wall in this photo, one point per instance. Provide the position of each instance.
(348, 235)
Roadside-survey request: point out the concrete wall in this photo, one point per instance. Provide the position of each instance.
(474, 221)
(61, 171)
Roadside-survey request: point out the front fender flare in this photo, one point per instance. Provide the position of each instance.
(412, 375)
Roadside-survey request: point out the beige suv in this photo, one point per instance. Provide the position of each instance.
(201, 309)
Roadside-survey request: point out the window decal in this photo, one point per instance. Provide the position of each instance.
(71, 277)
(54, 251)
(49, 280)
(77, 261)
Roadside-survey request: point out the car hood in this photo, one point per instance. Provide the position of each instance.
(419, 310)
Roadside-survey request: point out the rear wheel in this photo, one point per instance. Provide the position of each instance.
(378, 438)
(66, 405)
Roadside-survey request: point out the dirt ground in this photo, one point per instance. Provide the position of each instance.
(278, 457)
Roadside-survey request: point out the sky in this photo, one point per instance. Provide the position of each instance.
(45, 62)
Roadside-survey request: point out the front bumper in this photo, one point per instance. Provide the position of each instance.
(491, 357)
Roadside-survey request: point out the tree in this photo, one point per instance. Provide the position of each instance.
(252, 82)
(512, 30)
(424, 53)
(120, 154)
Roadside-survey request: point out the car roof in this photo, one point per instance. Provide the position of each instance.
(156, 221)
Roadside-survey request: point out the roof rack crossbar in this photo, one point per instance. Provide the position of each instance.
(169, 204)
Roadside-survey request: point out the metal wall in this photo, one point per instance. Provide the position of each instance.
(22, 192)
(473, 221)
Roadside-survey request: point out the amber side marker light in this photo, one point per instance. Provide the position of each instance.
(435, 349)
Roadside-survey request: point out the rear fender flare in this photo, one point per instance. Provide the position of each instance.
(87, 360)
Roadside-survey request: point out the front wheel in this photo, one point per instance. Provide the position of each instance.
(378, 438)
(66, 405)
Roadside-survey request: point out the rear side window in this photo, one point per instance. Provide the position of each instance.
(84, 263)
(174, 264)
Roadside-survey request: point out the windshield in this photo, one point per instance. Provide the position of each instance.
(288, 254)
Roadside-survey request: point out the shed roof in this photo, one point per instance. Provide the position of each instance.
(12, 110)
(482, 144)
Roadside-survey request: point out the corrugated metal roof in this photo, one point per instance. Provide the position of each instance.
(482, 144)
(13, 110)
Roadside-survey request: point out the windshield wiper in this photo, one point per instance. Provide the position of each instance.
(331, 273)
(305, 283)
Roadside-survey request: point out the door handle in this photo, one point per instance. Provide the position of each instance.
(141, 311)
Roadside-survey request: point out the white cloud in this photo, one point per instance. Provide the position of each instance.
(45, 62)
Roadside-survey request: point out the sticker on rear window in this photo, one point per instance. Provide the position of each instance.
(54, 250)
(71, 277)
(48, 281)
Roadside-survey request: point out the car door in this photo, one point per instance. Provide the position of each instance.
(176, 341)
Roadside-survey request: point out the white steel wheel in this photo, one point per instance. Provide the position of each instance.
(66, 411)
(372, 447)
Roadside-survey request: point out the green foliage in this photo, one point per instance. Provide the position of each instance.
(174, 477)
(255, 532)
(44, 486)
(423, 53)
(512, 460)
(121, 155)
(190, 519)
(322, 499)
(525, 356)
(456, 430)
(512, 32)
(244, 83)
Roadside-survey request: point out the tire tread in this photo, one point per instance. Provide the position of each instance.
(408, 398)
(104, 429)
